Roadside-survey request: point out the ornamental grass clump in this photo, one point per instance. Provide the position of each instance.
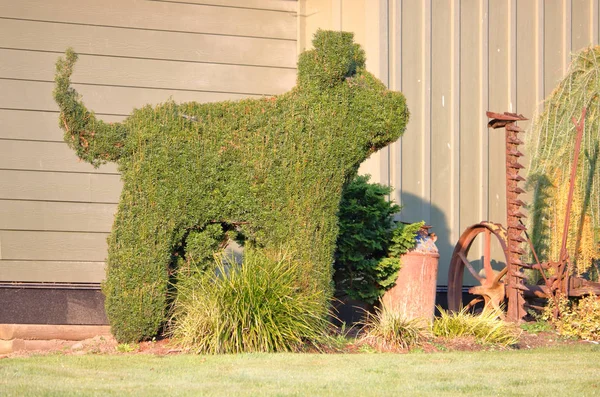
(486, 327)
(271, 169)
(253, 307)
(551, 145)
(388, 329)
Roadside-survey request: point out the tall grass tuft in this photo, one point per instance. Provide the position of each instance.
(388, 329)
(253, 307)
(486, 327)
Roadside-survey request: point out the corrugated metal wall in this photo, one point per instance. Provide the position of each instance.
(455, 59)
(56, 212)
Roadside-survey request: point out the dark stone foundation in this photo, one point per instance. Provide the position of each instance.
(52, 304)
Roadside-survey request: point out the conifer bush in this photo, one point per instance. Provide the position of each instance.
(370, 243)
(271, 169)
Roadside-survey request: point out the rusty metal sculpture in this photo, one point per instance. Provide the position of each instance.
(508, 283)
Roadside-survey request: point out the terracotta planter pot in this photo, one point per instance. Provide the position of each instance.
(414, 292)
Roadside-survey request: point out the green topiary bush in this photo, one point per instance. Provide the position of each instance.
(272, 169)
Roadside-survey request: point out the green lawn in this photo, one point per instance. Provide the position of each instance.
(564, 371)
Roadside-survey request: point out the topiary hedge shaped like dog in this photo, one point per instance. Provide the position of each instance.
(274, 167)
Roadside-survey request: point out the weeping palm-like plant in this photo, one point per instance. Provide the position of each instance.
(551, 145)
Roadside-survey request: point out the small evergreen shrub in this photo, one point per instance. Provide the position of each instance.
(389, 330)
(370, 243)
(577, 318)
(253, 307)
(272, 168)
(486, 327)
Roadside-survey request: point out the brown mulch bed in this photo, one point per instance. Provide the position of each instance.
(161, 347)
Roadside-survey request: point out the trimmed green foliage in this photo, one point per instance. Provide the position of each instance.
(486, 327)
(404, 238)
(255, 307)
(370, 243)
(390, 330)
(273, 167)
(202, 245)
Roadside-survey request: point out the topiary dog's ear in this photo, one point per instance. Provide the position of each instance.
(335, 57)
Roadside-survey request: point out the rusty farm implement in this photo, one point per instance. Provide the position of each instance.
(503, 282)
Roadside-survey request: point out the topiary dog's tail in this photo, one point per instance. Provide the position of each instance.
(93, 140)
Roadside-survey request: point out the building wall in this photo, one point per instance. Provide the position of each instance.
(56, 212)
(455, 59)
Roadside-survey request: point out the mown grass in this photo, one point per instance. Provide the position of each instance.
(565, 371)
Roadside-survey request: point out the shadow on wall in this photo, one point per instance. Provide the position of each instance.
(415, 209)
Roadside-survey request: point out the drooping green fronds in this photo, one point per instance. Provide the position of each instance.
(551, 145)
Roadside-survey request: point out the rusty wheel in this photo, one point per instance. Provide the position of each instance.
(488, 275)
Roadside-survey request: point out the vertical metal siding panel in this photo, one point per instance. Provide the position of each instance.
(594, 12)
(581, 24)
(541, 74)
(484, 50)
(376, 47)
(527, 60)
(553, 44)
(353, 19)
(499, 101)
(415, 86)
(395, 61)
(471, 128)
(442, 128)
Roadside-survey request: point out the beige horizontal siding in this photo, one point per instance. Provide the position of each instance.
(51, 271)
(56, 216)
(126, 72)
(56, 211)
(154, 15)
(45, 156)
(102, 40)
(103, 100)
(55, 246)
(275, 5)
(59, 186)
(35, 125)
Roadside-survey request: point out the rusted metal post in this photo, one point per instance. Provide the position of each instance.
(564, 254)
(514, 276)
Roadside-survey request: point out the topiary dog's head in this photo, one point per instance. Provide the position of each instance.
(335, 57)
(334, 71)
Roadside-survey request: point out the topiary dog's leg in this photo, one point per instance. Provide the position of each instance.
(137, 272)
